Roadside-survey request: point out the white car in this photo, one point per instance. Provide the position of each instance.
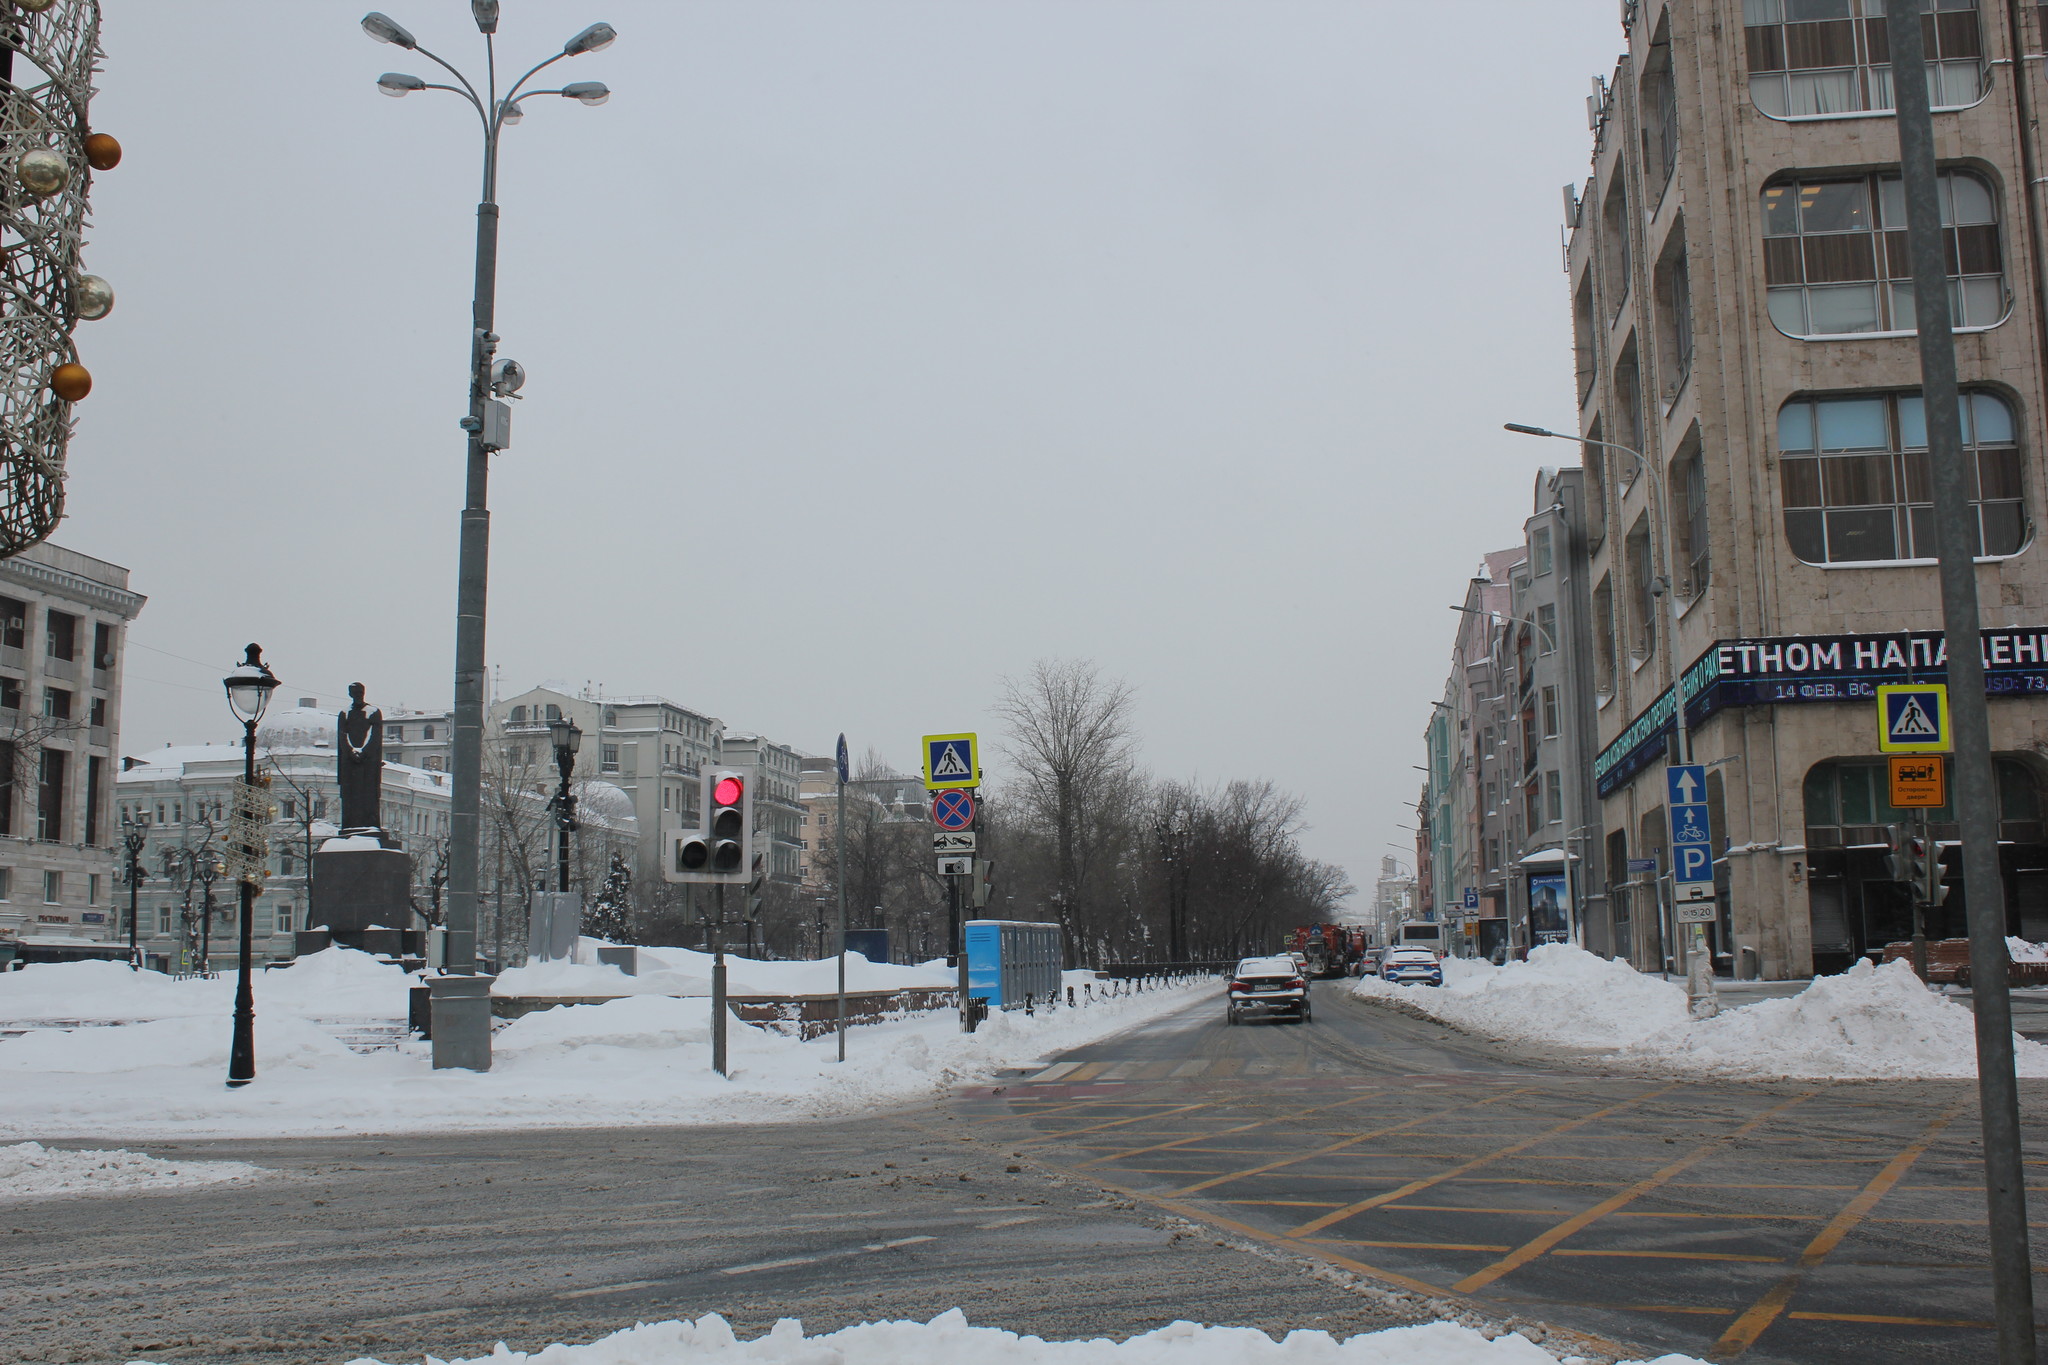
(1268, 985)
(1404, 966)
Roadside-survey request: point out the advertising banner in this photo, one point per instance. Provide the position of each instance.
(1547, 900)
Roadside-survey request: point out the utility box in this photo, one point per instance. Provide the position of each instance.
(1012, 962)
(872, 944)
(626, 959)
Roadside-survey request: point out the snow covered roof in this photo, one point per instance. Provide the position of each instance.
(1544, 857)
(174, 762)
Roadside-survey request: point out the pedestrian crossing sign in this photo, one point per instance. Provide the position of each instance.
(1912, 718)
(950, 761)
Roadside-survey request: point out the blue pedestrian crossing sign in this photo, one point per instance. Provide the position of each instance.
(950, 761)
(1912, 718)
(1692, 839)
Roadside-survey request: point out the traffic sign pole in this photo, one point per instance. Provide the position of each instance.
(1976, 794)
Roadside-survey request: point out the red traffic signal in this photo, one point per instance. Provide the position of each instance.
(728, 791)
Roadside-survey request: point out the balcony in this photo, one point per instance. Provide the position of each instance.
(54, 667)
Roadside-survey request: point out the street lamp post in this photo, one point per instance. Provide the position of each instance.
(568, 738)
(466, 1029)
(134, 834)
(248, 687)
(1701, 995)
(208, 868)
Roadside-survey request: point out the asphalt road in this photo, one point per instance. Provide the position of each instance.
(397, 1247)
(1793, 1222)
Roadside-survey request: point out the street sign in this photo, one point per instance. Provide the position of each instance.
(953, 843)
(1698, 912)
(1912, 718)
(956, 867)
(950, 761)
(1918, 780)
(953, 809)
(1642, 865)
(1692, 840)
(1471, 898)
(842, 758)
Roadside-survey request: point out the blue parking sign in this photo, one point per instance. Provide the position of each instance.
(1692, 840)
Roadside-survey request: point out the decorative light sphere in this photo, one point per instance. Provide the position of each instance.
(42, 172)
(102, 151)
(71, 381)
(92, 298)
(34, 6)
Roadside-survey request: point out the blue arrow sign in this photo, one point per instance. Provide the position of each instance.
(1692, 839)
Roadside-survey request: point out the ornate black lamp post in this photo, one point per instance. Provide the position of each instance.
(249, 688)
(568, 738)
(134, 834)
(206, 866)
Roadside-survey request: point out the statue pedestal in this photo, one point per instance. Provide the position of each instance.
(362, 896)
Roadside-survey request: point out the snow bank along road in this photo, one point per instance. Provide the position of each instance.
(1796, 1221)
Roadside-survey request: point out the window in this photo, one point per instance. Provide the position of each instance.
(1641, 575)
(95, 792)
(1674, 317)
(92, 888)
(611, 758)
(1817, 57)
(1553, 797)
(1628, 407)
(1614, 249)
(163, 919)
(286, 865)
(427, 732)
(1855, 477)
(394, 734)
(6, 882)
(102, 646)
(519, 715)
(1539, 551)
(1551, 717)
(50, 794)
(289, 808)
(1546, 629)
(53, 888)
(1835, 254)
(1688, 484)
(611, 715)
(554, 711)
(1846, 802)
(13, 623)
(287, 915)
(56, 703)
(1604, 658)
(96, 713)
(60, 635)
(1659, 112)
(1582, 337)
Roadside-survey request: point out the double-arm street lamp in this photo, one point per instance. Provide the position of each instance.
(134, 834)
(1700, 992)
(248, 687)
(568, 738)
(466, 1031)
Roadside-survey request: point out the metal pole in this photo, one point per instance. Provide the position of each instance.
(134, 910)
(1976, 792)
(1923, 892)
(242, 1052)
(840, 949)
(718, 987)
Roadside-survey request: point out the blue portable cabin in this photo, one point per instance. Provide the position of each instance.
(1010, 959)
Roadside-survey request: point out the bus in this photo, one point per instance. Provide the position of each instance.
(1418, 934)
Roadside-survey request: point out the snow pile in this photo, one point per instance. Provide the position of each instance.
(336, 983)
(29, 1170)
(948, 1339)
(642, 1059)
(1562, 994)
(2023, 951)
(1869, 1022)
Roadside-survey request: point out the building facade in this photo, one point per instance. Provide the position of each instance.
(63, 626)
(1743, 333)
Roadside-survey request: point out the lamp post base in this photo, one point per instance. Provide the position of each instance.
(461, 1017)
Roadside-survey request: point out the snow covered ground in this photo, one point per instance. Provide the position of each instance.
(681, 971)
(949, 1339)
(645, 1059)
(1869, 1022)
(29, 1170)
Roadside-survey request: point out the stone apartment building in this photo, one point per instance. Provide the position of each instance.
(1741, 318)
(180, 795)
(63, 624)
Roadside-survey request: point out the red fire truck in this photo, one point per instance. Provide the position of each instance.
(1329, 948)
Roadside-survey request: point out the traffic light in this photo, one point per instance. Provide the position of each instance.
(1937, 889)
(717, 850)
(1902, 859)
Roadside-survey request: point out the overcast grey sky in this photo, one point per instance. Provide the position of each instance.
(876, 349)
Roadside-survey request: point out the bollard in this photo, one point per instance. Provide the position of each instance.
(1088, 991)
(1070, 997)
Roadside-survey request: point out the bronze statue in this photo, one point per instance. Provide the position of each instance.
(359, 764)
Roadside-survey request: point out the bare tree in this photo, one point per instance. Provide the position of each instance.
(1070, 741)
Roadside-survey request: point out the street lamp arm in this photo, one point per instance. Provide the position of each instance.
(512, 96)
(466, 90)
